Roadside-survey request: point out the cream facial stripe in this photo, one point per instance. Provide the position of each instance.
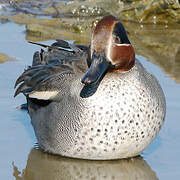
(109, 49)
(123, 44)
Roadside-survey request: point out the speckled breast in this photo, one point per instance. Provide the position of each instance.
(118, 120)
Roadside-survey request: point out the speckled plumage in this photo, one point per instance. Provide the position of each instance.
(119, 120)
(117, 117)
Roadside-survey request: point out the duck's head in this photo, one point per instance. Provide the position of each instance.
(110, 50)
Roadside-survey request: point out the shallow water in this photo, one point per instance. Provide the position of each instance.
(19, 161)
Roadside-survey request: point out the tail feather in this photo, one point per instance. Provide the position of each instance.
(52, 47)
(22, 89)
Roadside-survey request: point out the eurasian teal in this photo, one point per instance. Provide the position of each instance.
(94, 102)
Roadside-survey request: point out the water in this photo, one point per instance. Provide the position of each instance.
(19, 161)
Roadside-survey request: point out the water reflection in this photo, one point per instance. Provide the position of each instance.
(159, 44)
(43, 166)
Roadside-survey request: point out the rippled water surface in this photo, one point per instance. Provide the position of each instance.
(18, 159)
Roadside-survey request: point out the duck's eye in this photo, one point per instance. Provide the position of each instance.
(116, 39)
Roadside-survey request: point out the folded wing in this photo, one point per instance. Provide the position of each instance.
(52, 71)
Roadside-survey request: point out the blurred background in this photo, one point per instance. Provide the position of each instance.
(153, 27)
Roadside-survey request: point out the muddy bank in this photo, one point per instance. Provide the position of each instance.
(149, 11)
(158, 40)
(158, 43)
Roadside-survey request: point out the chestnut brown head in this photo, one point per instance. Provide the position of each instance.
(110, 50)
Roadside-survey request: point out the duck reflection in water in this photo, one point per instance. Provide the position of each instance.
(43, 166)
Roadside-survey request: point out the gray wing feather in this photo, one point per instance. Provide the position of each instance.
(38, 78)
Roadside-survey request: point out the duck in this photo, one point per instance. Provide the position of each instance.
(93, 102)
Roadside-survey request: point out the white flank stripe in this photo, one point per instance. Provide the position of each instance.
(44, 95)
